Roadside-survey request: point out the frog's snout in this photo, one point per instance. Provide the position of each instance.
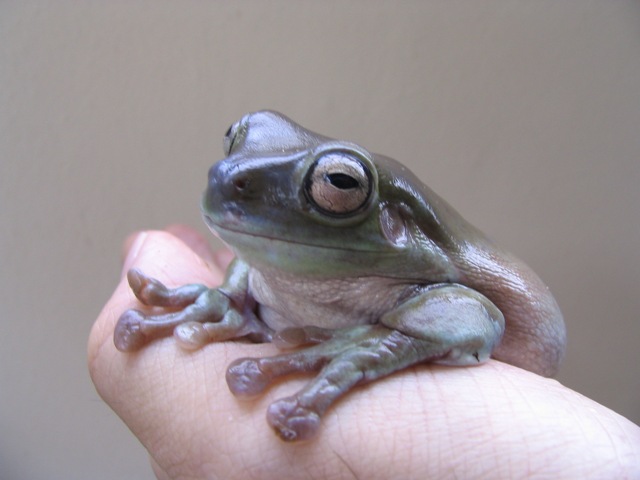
(230, 181)
(228, 184)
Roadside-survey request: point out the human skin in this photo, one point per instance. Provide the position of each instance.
(489, 421)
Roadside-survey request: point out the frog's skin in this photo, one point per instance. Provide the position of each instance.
(346, 256)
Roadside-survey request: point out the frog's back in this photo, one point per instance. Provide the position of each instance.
(535, 335)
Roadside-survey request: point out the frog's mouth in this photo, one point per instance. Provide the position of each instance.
(261, 250)
(264, 251)
(236, 238)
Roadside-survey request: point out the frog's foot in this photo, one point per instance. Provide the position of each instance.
(350, 357)
(199, 315)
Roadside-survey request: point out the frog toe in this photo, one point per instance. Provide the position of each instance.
(146, 289)
(153, 292)
(128, 335)
(292, 421)
(245, 378)
(191, 335)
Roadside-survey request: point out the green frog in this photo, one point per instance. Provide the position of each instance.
(349, 264)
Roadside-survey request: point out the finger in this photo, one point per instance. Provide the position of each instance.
(200, 244)
(128, 244)
(222, 258)
(130, 249)
(158, 471)
(197, 242)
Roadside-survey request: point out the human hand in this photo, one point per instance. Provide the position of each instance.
(490, 421)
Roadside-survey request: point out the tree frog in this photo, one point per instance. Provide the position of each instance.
(353, 266)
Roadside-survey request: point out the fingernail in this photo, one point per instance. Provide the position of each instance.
(134, 251)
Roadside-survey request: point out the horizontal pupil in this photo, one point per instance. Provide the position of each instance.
(342, 181)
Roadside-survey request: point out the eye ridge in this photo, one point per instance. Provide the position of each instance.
(342, 181)
(229, 139)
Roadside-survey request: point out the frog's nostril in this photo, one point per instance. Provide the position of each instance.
(241, 183)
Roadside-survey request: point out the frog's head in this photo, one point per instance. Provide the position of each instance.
(288, 198)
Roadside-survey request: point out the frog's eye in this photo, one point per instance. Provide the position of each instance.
(339, 184)
(229, 138)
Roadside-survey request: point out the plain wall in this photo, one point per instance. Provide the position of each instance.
(524, 115)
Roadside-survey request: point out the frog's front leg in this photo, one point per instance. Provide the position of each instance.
(448, 324)
(198, 314)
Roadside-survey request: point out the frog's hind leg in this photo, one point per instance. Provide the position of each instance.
(360, 355)
(446, 323)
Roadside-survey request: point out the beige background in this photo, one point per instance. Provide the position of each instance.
(524, 115)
